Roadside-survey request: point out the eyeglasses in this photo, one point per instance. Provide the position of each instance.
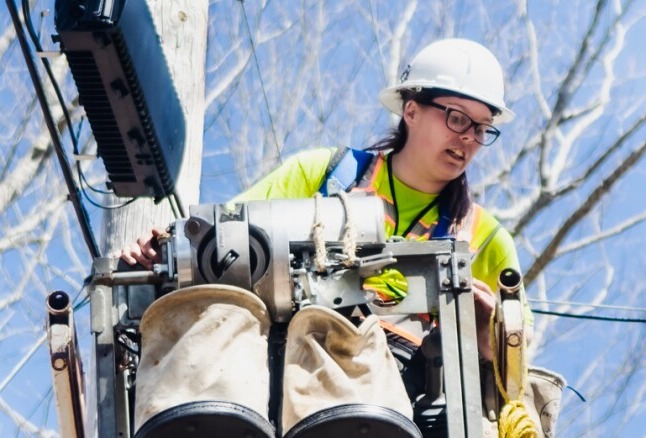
(459, 122)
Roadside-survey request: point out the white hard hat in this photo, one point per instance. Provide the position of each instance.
(456, 65)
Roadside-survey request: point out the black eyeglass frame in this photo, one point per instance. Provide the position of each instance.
(488, 128)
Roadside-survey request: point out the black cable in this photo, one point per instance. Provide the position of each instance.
(97, 204)
(68, 120)
(59, 95)
(106, 207)
(79, 170)
(83, 178)
(73, 191)
(121, 341)
(591, 317)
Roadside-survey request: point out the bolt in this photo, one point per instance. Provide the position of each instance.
(192, 227)
(446, 282)
(59, 364)
(513, 340)
(444, 261)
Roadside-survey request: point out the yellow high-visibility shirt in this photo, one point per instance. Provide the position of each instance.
(302, 174)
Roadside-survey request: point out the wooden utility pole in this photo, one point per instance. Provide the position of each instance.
(182, 27)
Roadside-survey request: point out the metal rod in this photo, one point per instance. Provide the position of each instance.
(133, 278)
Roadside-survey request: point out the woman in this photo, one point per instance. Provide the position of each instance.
(449, 98)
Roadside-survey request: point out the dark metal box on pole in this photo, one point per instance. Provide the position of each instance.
(125, 85)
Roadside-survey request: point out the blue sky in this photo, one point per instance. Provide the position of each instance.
(352, 64)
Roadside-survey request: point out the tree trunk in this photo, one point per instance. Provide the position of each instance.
(182, 26)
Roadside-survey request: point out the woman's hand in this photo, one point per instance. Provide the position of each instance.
(145, 251)
(485, 304)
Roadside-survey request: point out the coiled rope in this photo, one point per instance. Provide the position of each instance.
(349, 237)
(349, 232)
(320, 255)
(513, 421)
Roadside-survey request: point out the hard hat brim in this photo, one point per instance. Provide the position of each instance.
(392, 100)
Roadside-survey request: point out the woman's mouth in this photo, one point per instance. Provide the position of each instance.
(456, 154)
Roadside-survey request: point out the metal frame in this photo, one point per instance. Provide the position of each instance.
(447, 289)
(117, 302)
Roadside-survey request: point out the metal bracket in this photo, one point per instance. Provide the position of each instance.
(459, 344)
(454, 270)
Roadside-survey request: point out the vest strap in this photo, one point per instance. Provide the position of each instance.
(346, 167)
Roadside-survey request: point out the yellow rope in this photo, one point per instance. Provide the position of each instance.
(513, 421)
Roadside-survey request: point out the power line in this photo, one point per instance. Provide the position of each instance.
(374, 31)
(586, 316)
(73, 191)
(590, 317)
(580, 304)
(262, 84)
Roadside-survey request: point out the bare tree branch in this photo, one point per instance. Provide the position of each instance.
(602, 189)
(545, 198)
(23, 424)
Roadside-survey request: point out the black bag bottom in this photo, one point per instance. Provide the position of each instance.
(207, 419)
(355, 421)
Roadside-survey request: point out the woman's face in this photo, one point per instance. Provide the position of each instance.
(436, 152)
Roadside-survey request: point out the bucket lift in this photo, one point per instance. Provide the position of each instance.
(267, 247)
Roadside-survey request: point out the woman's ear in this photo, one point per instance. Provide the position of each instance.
(410, 112)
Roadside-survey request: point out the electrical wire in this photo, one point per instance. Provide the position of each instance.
(102, 206)
(374, 31)
(598, 306)
(176, 205)
(83, 178)
(74, 197)
(262, 84)
(74, 136)
(589, 317)
(66, 115)
(79, 171)
(48, 69)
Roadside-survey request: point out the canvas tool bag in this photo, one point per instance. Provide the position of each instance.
(206, 342)
(330, 362)
(542, 400)
(543, 393)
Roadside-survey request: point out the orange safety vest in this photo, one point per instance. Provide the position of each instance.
(426, 224)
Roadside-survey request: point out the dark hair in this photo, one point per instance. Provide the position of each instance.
(455, 197)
